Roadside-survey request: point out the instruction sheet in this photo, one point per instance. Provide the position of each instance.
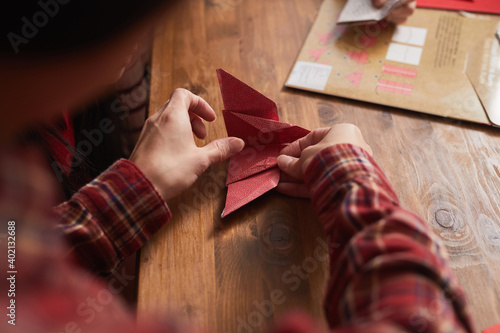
(438, 62)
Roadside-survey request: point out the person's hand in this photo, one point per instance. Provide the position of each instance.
(295, 158)
(166, 152)
(399, 14)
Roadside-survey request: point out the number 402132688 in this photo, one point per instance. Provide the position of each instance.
(11, 244)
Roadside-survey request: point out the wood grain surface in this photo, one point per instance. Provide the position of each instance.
(240, 273)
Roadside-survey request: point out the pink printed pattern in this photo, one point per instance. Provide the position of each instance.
(394, 87)
(367, 41)
(317, 53)
(361, 57)
(368, 37)
(325, 38)
(355, 78)
(336, 33)
(399, 71)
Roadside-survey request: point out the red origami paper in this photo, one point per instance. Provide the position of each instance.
(253, 117)
(485, 6)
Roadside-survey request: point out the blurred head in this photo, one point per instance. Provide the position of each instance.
(58, 54)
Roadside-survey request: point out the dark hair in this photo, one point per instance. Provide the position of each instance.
(45, 28)
(38, 28)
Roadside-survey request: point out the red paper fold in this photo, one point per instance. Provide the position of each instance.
(253, 117)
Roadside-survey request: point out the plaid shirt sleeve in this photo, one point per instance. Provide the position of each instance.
(112, 217)
(388, 270)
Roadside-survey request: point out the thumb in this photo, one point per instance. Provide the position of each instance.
(290, 166)
(221, 149)
(378, 3)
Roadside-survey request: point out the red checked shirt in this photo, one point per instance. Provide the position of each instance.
(112, 217)
(389, 272)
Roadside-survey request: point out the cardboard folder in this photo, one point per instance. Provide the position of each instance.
(439, 63)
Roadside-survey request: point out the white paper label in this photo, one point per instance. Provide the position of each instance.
(310, 75)
(405, 54)
(409, 35)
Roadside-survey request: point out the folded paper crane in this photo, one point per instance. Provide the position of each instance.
(253, 117)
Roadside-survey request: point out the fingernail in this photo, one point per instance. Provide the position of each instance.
(284, 161)
(236, 145)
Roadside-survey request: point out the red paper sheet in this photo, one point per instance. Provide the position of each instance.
(253, 117)
(492, 329)
(484, 6)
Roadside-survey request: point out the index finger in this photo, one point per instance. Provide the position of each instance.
(295, 148)
(184, 99)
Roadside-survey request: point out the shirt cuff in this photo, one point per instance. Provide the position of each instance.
(336, 166)
(114, 216)
(140, 209)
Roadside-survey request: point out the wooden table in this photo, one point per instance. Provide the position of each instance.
(221, 274)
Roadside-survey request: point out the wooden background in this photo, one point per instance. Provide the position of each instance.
(220, 274)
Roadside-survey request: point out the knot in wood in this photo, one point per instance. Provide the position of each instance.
(327, 113)
(444, 218)
(279, 235)
(278, 238)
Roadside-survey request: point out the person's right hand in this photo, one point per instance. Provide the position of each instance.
(401, 13)
(166, 152)
(296, 157)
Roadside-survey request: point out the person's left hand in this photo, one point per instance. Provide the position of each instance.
(399, 14)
